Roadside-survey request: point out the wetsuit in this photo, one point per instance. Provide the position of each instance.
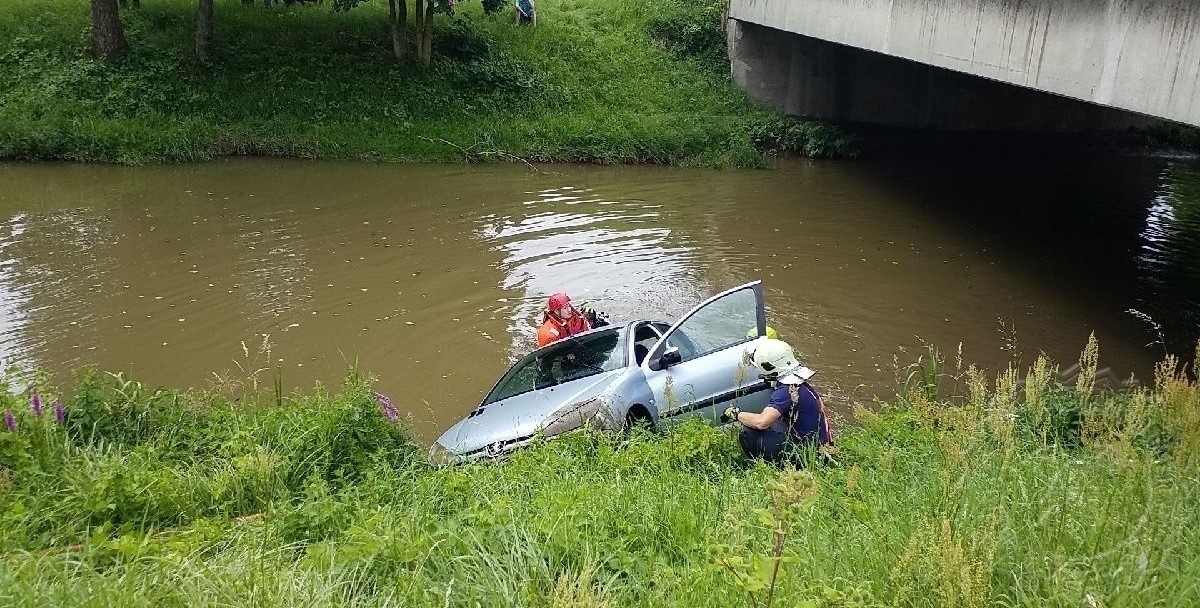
(553, 329)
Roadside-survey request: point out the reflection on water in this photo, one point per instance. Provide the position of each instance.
(14, 295)
(275, 270)
(616, 256)
(432, 278)
(1169, 259)
(57, 274)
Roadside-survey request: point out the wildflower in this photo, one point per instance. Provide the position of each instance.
(386, 409)
(36, 404)
(10, 421)
(59, 412)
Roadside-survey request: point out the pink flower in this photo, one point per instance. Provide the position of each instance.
(386, 409)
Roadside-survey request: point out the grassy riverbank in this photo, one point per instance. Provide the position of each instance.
(595, 81)
(1028, 494)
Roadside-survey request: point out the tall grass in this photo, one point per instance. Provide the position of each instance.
(596, 81)
(1020, 491)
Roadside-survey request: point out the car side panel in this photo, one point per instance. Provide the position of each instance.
(706, 386)
(630, 391)
(707, 382)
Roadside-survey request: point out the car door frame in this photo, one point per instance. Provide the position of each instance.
(652, 364)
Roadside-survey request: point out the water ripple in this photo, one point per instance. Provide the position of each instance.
(618, 256)
(1169, 255)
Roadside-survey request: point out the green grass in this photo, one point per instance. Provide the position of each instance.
(596, 81)
(1015, 494)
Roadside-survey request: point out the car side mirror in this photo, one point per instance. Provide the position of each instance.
(670, 357)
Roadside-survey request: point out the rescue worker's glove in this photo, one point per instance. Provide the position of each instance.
(731, 414)
(594, 318)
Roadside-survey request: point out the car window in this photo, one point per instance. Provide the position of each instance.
(647, 336)
(644, 338)
(720, 324)
(567, 360)
(678, 340)
(681, 342)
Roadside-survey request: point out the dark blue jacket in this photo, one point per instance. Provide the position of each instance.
(805, 423)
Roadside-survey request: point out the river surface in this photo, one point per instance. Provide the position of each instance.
(431, 277)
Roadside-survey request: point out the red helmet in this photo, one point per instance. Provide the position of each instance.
(558, 300)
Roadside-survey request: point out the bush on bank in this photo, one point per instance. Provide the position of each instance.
(596, 81)
(1021, 491)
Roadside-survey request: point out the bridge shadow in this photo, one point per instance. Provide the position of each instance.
(1112, 231)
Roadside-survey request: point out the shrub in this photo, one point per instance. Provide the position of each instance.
(343, 438)
(690, 28)
(782, 134)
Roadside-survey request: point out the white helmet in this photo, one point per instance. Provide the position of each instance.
(774, 358)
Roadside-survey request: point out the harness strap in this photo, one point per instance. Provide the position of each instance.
(794, 393)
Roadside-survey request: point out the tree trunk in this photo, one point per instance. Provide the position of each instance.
(427, 43)
(419, 23)
(398, 21)
(204, 28)
(419, 26)
(108, 37)
(268, 3)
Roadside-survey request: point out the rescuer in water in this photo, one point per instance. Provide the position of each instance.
(561, 319)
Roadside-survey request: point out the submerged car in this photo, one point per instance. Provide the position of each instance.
(648, 372)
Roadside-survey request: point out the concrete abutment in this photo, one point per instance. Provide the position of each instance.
(1003, 65)
(812, 78)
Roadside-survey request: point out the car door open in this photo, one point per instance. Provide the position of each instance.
(698, 366)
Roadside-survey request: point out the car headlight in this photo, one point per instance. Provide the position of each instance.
(440, 456)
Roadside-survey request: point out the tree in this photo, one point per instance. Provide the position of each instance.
(108, 37)
(398, 24)
(425, 28)
(423, 14)
(204, 28)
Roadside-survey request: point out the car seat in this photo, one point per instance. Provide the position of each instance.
(639, 353)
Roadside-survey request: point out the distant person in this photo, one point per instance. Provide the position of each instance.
(525, 12)
(794, 422)
(560, 319)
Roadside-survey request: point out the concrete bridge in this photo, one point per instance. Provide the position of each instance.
(971, 64)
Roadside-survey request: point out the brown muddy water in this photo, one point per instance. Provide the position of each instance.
(430, 277)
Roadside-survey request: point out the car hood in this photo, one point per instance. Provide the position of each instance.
(522, 416)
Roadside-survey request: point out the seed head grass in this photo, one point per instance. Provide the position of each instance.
(205, 498)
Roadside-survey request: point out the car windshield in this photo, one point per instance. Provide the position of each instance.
(564, 361)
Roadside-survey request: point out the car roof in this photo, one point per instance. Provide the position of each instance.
(611, 327)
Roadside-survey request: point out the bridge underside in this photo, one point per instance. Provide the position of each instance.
(812, 78)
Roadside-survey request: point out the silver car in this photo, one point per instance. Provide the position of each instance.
(647, 372)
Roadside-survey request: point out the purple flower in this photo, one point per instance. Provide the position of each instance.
(10, 421)
(59, 412)
(36, 404)
(386, 409)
